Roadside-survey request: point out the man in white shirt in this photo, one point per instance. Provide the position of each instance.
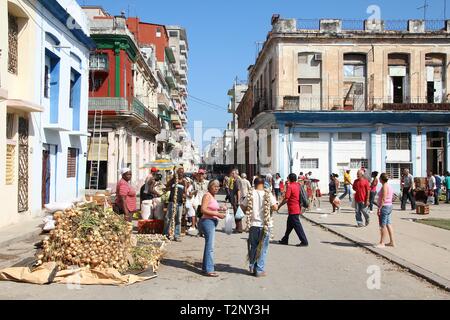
(257, 232)
(432, 186)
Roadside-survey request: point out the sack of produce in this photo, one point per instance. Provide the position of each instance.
(58, 206)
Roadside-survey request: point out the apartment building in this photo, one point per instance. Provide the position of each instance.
(123, 119)
(350, 94)
(44, 78)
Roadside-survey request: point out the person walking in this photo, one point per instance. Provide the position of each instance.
(347, 186)
(362, 194)
(235, 195)
(447, 186)
(262, 203)
(373, 190)
(292, 199)
(385, 211)
(226, 186)
(438, 191)
(178, 187)
(431, 186)
(333, 187)
(277, 186)
(211, 212)
(245, 186)
(407, 191)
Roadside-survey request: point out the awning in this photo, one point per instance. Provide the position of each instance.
(93, 149)
(24, 105)
(160, 165)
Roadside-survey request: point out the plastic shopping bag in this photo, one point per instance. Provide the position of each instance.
(229, 223)
(430, 200)
(239, 214)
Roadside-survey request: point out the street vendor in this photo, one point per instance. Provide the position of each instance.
(125, 196)
(178, 187)
(148, 191)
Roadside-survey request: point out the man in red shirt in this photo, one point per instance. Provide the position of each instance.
(292, 198)
(362, 194)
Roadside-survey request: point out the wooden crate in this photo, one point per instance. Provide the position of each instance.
(423, 209)
(150, 226)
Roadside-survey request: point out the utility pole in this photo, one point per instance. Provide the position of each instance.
(424, 7)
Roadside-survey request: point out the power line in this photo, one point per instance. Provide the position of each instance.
(207, 102)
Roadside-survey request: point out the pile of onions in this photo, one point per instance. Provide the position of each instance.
(88, 235)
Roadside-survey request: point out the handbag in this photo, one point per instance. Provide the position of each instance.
(239, 214)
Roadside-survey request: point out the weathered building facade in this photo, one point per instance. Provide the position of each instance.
(370, 95)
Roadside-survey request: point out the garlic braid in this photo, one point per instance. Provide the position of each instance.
(267, 217)
(174, 207)
(249, 211)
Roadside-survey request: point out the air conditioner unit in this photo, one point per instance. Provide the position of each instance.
(318, 57)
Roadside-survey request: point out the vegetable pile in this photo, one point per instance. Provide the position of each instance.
(88, 235)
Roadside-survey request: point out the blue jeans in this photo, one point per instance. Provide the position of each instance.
(208, 227)
(347, 190)
(385, 215)
(448, 195)
(360, 210)
(168, 219)
(254, 236)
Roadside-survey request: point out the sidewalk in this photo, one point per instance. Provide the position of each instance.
(423, 250)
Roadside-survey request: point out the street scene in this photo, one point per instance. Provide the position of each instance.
(304, 159)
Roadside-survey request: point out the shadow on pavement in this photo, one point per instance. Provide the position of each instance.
(339, 224)
(196, 267)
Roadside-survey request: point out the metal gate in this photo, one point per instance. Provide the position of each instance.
(23, 165)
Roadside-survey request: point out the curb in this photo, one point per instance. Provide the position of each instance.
(412, 268)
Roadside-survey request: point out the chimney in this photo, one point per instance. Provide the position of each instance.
(330, 25)
(416, 26)
(275, 18)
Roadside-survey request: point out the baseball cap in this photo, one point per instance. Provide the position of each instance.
(154, 170)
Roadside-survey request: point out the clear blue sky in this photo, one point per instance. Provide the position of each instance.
(222, 35)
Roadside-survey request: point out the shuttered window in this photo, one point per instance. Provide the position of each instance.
(398, 141)
(10, 156)
(72, 154)
(394, 170)
(309, 163)
(9, 126)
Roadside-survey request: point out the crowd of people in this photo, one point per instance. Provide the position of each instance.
(255, 200)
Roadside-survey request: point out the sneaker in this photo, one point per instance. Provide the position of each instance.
(283, 242)
(177, 239)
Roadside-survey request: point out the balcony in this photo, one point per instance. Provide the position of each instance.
(164, 101)
(122, 107)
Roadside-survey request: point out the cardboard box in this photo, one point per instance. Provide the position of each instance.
(423, 209)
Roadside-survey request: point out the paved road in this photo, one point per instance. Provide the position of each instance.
(331, 268)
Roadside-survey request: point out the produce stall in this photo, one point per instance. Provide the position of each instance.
(92, 239)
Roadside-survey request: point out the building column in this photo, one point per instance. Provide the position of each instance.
(414, 161)
(448, 150)
(122, 152)
(383, 151)
(375, 140)
(112, 159)
(424, 153)
(141, 156)
(330, 153)
(134, 167)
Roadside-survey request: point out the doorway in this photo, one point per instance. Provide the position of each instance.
(46, 176)
(398, 89)
(430, 92)
(436, 152)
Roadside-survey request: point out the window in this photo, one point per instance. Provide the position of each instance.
(173, 34)
(309, 163)
(72, 154)
(13, 44)
(353, 71)
(394, 170)
(98, 61)
(305, 88)
(10, 155)
(302, 58)
(350, 136)
(47, 81)
(9, 126)
(158, 32)
(309, 135)
(398, 141)
(73, 81)
(359, 163)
